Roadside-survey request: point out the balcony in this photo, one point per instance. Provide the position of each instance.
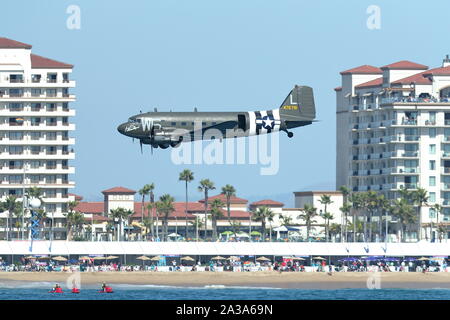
(412, 138)
(409, 154)
(446, 154)
(445, 186)
(413, 100)
(445, 170)
(409, 122)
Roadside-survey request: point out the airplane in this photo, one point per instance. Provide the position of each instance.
(170, 129)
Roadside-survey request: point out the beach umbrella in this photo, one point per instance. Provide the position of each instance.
(59, 258)
(319, 258)
(84, 258)
(227, 233)
(187, 258)
(143, 258)
(262, 259)
(297, 258)
(30, 257)
(156, 258)
(233, 258)
(42, 257)
(423, 259)
(98, 258)
(111, 257)
(218, 258)
(255, 233)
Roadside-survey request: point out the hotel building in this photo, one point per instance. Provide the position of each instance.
(35, 144)
(393, 131)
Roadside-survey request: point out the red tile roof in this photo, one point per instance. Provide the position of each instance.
(405, 65)
(6, 43)
(233, 200)
(234, 214)
(90, 207)
(443, 71)
(417, 78)
(77, 197)
(97, 218)
(267, 202)
(119, 190)
(365, 69)
(38, 62)
(178, 206)
(372, 83)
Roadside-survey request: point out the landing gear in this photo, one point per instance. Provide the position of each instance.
(290, 134)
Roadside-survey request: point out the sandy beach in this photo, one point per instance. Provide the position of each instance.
(254, 279)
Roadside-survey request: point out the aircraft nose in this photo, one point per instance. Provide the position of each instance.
(121, 128)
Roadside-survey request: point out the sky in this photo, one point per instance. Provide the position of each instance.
(217, 56)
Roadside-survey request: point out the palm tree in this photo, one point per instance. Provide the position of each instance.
(309, 213)
(383, 208)
(263, 214)
(216, 213)
(405, 213)
(357, 204)
(11, 205)
(327, 217)
(325, 200)
(345, 193)
(187, 176)
(229, 191)
(420, 197)
(148, 221)
(345, 209)
(285, 220)
(372, 205)
(145, 191)
(117, 215)
(70, 217)
(441, 229)
(335, 229)
(197, 223)
(126, 217)
(438, 209)
(205, 186)
(165, 207)
(358, 228)
(75, 221)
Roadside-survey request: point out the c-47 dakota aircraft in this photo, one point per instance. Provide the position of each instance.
(164, 129)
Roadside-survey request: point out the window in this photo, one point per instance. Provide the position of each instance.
(51, 150)
(35, 164)
(432, 165)
(35, 135)
(35, 121)
(35, 149)
(432, 149)
(50, 165)
(432, 132)
(432, 212)
(50, 193)
(50, 107)
(51, 121)
(432, 196)
(15, 178)
(65, 106)
(50, 179)
(432, 181)
(50, 136)
(15, 149)
(183, 123)
(50, 207)
(51, 92)
(15, 107)
(35, 78)
(18, 135)
(34, 178)
(36, 92)
(35, 107)
(432, 117)
(173, 123)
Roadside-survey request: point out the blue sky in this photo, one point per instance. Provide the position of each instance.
(216, 55)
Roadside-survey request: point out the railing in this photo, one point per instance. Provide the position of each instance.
(409, 122)
(445, 170)
(17, 80)
(410, 154)
(414, 100)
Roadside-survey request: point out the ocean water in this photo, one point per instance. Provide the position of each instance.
(39, 291)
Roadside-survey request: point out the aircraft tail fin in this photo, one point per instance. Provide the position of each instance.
(298, 105)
